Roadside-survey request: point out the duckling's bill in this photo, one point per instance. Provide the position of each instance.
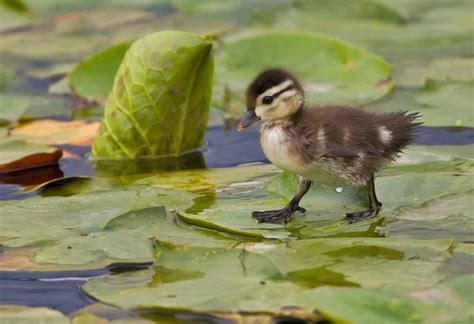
(249, 119)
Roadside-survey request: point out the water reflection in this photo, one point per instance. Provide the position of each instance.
(32, 177)
(115, 168)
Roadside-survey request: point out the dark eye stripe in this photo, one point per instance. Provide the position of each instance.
(275, 95)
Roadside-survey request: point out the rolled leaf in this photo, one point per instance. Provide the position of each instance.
(159, 103)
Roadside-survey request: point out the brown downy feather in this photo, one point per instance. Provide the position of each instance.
(351, 141)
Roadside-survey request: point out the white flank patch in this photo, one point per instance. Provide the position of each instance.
(322, 136)
(385, 135)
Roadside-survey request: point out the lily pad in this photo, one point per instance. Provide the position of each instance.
(241, 280)
(446, 217)
(325, 206)
(415, 73)
(12, 314)
(411, 29)
(93, 228)
(94, 76)
(18, 155)
(6, 77)
(16, 107)
(163, 74)
(332, 71)
(437, 99)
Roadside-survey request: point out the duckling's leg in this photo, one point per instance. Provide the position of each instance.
(284, 215)
(374, 205)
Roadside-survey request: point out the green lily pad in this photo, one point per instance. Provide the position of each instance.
(13, 314)
(415, 73)
(16, 107)
(163, 74)
(446, 217)
(332, 71)
(437, 99)
(6, 77)
(248, 279)
(412, 29)
(92, 228)
(325, 206)
(434, 102)
(94, 76)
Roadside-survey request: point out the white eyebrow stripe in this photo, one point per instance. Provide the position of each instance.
(287, 94)
(275, 89)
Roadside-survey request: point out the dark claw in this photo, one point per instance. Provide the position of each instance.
(301, 209)
(280, 216)
(358, 216)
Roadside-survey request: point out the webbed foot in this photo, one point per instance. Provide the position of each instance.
(359, 216)
(280, 216)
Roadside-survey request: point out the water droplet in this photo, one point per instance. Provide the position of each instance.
(339, 189)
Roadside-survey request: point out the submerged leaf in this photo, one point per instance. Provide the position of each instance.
(159, 103)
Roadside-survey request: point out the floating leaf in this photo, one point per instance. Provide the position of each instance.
(241, 280)
(331, 70)
(415, 73)
(94, 76)
(413, 29)
(325, 206)
(18, 155)
(55, 132)
(446, 217)
(162, 88)
(95, 228)
(6, 77)
(437, 99)
(15, 107)
(24, 314)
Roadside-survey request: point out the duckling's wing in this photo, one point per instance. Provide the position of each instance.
(336, 150)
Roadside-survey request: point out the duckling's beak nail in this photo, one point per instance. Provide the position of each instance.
(248, 119)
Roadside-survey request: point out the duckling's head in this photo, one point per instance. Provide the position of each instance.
(274, 94)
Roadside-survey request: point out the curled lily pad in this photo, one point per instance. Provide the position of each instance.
(332, 71)
(163, 87)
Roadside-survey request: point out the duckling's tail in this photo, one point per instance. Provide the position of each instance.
(399, 130)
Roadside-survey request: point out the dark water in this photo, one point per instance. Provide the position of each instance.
(60, 290)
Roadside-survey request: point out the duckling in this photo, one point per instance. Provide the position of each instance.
(332, 145)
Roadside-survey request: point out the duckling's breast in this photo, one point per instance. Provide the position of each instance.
(280, 148)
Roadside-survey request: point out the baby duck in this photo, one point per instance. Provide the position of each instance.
(332, 145)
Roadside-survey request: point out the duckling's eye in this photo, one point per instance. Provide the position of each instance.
(267, 100)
